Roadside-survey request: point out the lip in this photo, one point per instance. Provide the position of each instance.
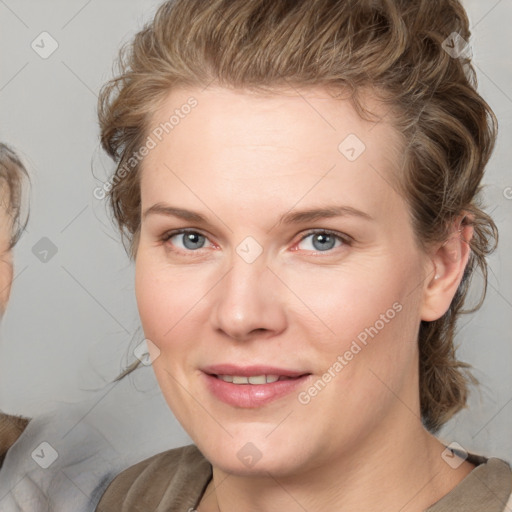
(247, 371)
(251, 396)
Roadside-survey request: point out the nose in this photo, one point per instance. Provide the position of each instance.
(248, 302)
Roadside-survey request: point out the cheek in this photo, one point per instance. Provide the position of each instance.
(348, 304)
(367, 321)
(156, 300)
(366, 352)
(6, 275)
(167, 300)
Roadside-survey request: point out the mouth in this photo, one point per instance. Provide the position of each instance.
(251, 387)
(254, 379)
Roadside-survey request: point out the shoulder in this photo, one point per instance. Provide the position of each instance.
(175, 476)
(487, 487)
(11, 428)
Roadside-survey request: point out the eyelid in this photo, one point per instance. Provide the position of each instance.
(174, 232)
(169, 234)
(346, 239)
(172, 250)
(342, 236)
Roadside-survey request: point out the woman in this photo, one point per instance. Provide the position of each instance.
(12, 175)
(297, 183)
(63, 459)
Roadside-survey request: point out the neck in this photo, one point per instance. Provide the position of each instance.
(398, 468)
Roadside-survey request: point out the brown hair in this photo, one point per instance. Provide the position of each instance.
(13, 174)
(394, 47)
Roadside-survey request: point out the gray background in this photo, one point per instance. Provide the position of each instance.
(72, 320)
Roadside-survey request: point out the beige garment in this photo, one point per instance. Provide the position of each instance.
(11, 428)
(174, 481)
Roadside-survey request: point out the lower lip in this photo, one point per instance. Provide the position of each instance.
(251, 396)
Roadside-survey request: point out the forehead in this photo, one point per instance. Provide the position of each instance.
(275, 144)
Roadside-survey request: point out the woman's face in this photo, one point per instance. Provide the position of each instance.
(261, 286)
(6, 270)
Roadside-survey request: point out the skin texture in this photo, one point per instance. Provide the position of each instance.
(243, 161)
(6, 266)
(11, 427)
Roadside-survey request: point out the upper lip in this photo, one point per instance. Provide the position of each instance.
(248, 371)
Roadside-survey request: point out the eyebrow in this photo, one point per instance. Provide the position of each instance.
(163, 209)
(294, 217)
(299, 217)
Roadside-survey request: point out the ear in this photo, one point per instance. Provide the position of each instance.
(448, 261)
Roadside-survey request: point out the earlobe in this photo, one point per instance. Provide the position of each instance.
(449, 261)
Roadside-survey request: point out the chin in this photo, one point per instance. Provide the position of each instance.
(247, 455)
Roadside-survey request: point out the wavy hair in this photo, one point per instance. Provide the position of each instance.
(13, 175)
(396, 48)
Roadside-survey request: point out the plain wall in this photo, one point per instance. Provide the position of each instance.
(72, 319)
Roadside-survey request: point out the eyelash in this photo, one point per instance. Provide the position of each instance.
(345, 239)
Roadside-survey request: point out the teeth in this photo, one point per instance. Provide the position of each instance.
(253, 379)
(257, 379)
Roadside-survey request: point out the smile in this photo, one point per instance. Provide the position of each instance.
(251, 387)
(253, 379)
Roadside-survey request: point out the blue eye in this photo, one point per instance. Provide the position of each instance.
(191, 240)
(323, 241)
